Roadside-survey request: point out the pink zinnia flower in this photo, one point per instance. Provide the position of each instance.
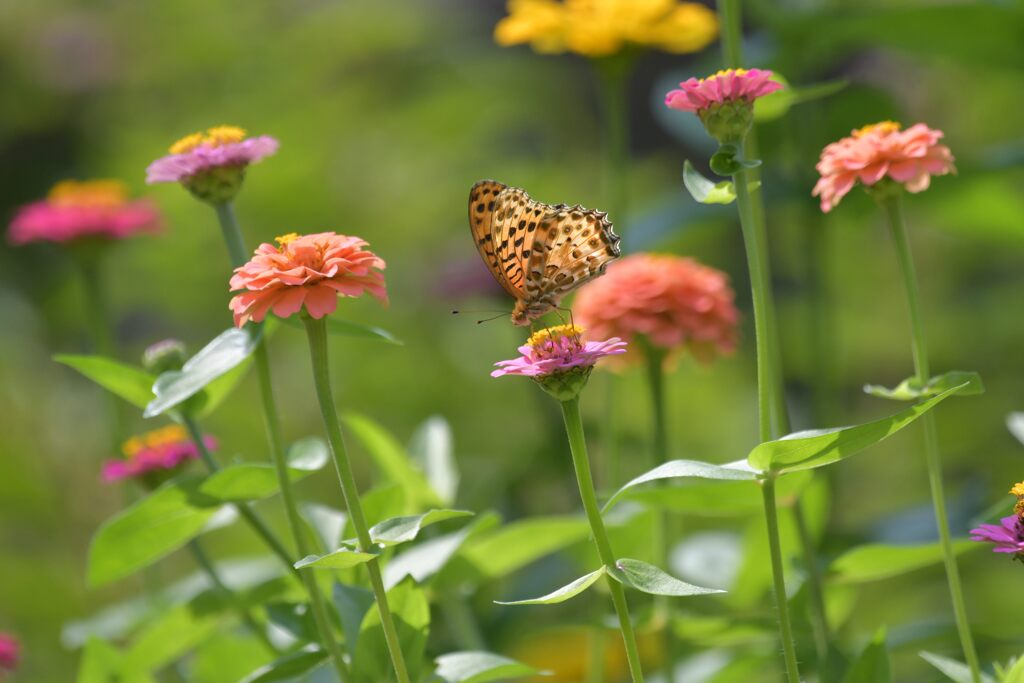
(730, 85)
(909, 157)
(10, 652)
(1008, 535)
(74, 210)
(154, 455)
(218, 147)
(309, 271)
(675, 303)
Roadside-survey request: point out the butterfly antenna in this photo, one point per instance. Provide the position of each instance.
(487, 320)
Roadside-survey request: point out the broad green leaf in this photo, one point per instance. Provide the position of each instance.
(411, 612)
(222, 354)
(352, 604)
(911, 389)
(150, 529)
(1015, 423)
(872, 666)
(431, 449)
(219, 389)
(294, 618)
(346, 328)
(175, 632)
(711, 498)
(403, 529)
(880, 561)
(649, 579)
(254, 481)
(706, 191)
(342, 558)
(327, 523)
(226, 657)
(680, 469)
(520, 543)
(954, 670)
(1016, 672)
(393, 461)
(101, 662)
(820, 447)
(479, 667)
(288, 667)
(384, 502)
(133, 384)
(564, 593)
(427, 558)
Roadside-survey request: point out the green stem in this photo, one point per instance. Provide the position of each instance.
(316, 331)
(272, 423)
(204, 562)
(894, 211)
(578, 447)
(731, 28)
(778, 577)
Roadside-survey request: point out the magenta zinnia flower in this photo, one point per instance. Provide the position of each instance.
(76, 210)
(1008, 535)
(10, 652)
(881, 151)
(730, 85)
(154, 456)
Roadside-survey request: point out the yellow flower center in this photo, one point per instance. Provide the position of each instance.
(551, 334)
(214, 137)
(1018, 489)
(154, 439)
(883, 127)
(285, 240)
(88, 193)
(724, 72)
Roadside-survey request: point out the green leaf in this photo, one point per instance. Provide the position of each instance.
(346, 328)
(175, 632)
(880, 561)
(288, 667)
(479, 667)
(954, 670)
(711, 498)
(1015, 423)
(226, 657)
(706, 191)
(425, 559)
(520, 543)
(254, 481)
(219, 389)
(393, 461)
(150, 529)
(327, 523)
(872, 666)
(342, 558)
(820, 447)
(564, 593)
(133, 384)
(649, 579)
(1016, 673)
(403, 529)
(910, 389)
(352, 603)
(225, 352)
(102, 663)
(431, 449)
(680, 469)
(411, 612)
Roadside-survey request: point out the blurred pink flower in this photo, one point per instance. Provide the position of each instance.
(10, 652)
(158, 452)
(676, 303)
(730, 85)
(307, 270)
(222, 146)
(76, 210)
(909, 157)
(557, 349)
(1008, 535)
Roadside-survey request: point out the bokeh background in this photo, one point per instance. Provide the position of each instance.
(387, 112)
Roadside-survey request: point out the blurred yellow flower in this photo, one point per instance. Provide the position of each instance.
(598, 28)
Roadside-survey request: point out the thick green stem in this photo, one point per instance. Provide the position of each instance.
(778, 578)
(246, 617)
(581, 462)
(316, 331)
(894, 211)
(272, 423)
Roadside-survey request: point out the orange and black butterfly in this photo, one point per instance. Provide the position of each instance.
(536, 251)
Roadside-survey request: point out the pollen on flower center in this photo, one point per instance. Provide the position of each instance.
(554, 334)
(88, 193)
(1018, 489)
(883, 127)
(285, 240)
(724, 72)
(214, 137)
(154, 439)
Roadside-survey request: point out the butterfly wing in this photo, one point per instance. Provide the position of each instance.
(504, 221)
(483, 198)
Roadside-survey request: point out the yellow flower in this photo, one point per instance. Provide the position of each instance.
(598, 28)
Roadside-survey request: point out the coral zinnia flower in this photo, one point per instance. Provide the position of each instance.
(212, 164)
(597, 28)
(155, 455)
(909, 157)
(675, 303)
(10, 652)
(730, 85)
(308, 270)
(76, 210)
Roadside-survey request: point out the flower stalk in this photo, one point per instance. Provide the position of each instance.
(316, 332)
(893, 206)
(581, 463)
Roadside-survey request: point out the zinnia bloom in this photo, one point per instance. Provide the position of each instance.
(154, 456)
(675, 303)
(76, 210)
(907, 157)
(309, 271)
(10, 652)
(1008, 535)
(724, 102)
(598, 28)
(211, 164)
(559, 359)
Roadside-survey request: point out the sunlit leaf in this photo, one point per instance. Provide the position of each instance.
(911, 389)
(226, 657)
(564, 593)
(327, 523)
(872, 666)
(427, 558)
(254, 481)
(520, 543)
(133, 384)
(431, 449)
(880, 561)
(706, 191)
(681, 469)
(101, 662)
(1016, 672)
(175, 632)
(403, 529)
(479, 667)
(393, 461)
(288, 667)
(715, 498)
(343, 558)
(954, 670)
(411, 611)
(650, 579)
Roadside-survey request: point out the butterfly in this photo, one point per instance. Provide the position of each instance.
(538, 252)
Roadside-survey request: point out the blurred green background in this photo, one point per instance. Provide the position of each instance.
(387, 112)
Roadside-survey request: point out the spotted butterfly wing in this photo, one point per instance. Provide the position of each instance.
(536, 251)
